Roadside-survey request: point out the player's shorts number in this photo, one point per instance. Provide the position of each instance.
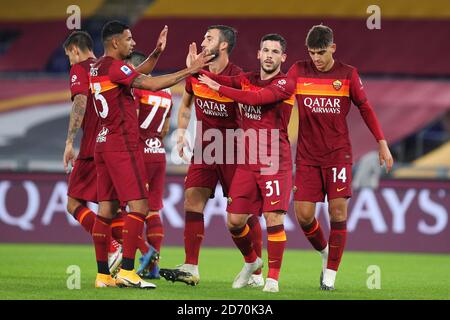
(270, 189)
(341, 175)
(98, 96)
(156, 102)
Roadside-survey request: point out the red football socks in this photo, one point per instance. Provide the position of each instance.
(338, 236)
(241, 237)
(276, 242)
(85, 217)
(314, 234)
(256, 236)
(155, 231)
(194, 232)
(132, 229)
(117, 227)
(101, 234)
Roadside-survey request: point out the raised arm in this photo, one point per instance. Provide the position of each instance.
(275, 92)
(161, 82)
(76, 118)
(229, 81)
(149, 64)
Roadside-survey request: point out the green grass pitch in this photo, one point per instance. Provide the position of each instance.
(33, 271)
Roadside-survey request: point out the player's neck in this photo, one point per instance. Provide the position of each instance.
(266, 76)
(113, 54)
(329, 66)
(85, 56)
(217, 66)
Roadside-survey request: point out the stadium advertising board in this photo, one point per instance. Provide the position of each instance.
(401, 215)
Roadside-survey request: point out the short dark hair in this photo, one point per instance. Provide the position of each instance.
(136, 58)
(227, 34)
(319, 37)
(80, 39)
(112, 28)
(275, 37)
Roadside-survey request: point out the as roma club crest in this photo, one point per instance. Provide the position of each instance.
(337, 85)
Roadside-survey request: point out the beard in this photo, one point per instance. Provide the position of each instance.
(215, 51)
(270, 70)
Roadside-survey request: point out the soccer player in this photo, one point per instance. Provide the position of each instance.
(119, 163)
(266, 100)
(82, 186)
(325, 89)
(154, 115)
(213, 111)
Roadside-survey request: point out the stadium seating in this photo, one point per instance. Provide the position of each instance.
(434, 164)
(388, 50)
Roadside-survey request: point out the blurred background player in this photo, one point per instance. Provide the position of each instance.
(82, 185)
(213, 111)
(154, 110)
(266, 100)
(120, 166)
(325, 89)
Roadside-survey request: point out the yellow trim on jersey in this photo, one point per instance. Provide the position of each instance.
(202, 91)
(324, 93)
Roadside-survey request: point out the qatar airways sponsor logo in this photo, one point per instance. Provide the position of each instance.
(212, 108)
(251, 112)
(323, 105)
(154, 146)
(101, 137)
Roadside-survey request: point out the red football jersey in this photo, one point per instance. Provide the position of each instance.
(154, 109)
(213, 110)
(267, 109)
(79, 84)
(324, 100)
(110, 81)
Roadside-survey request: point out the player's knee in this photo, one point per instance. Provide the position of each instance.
(304, 215)
(139, 206)
(337, 212)
(274, 218)
(193, 203)
(72, 205)
(235, 221)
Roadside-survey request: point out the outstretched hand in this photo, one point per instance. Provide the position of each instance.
(202, 60)
(192, 54)
(209, 82)
(162, 39)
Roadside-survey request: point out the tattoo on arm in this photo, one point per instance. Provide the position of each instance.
(186, 115)
(76, 116)
(155, 54)
(137, 82)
